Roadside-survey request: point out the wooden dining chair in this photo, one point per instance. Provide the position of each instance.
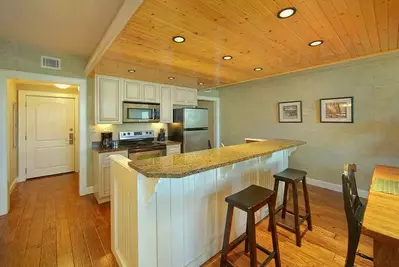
(354, 211)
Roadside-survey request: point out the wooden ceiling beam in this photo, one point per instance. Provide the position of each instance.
(128, 8)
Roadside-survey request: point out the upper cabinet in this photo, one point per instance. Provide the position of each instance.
(141, 91)
(110, 92)
(131, 91)
(108, 96)
(150, 92)
(185, 96)
(166, 104)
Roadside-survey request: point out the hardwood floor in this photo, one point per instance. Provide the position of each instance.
(324, 246)
(50, 225)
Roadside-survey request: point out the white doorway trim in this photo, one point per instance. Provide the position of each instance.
(216, 101)
(4, 125)
(22, 128)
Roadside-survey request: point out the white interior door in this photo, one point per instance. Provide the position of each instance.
(50, 135)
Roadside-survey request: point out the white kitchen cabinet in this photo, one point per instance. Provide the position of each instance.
(150, 92)
(102, 174)
(132, 91)
(108, 100)
(173, 149)
(138, 91)
(185, 96)
(166, 104)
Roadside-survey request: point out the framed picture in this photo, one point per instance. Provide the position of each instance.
(336, 110)
(290, 111)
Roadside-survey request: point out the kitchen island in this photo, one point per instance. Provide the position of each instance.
(170, 211)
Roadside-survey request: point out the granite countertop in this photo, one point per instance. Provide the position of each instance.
(181, 165)
(100, 149)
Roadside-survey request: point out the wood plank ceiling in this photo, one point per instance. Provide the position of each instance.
(249, 31)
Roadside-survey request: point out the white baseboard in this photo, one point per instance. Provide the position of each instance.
(12, 187)
(90, 190)
(334, 187)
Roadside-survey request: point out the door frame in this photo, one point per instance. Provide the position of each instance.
(22, 151)
(216, 102)
(4, 126)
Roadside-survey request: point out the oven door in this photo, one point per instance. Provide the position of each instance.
(138, 112)
(147, 154)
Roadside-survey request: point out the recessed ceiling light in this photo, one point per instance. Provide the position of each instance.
(131, 71)
(62, 86)
(171, 78)
(316, 43)
(258, 69)
(200, 83)
(179, 39)
(227, 57)
(286, 12)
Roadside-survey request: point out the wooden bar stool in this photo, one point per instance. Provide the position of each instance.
(293, 177)
(250, 200)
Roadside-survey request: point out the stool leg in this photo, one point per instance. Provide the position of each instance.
(247, 239)
(275, 189)
(252, 238)
(285, 200)
(307, 203)
(226, 239)
(272, 222)
(296, 214)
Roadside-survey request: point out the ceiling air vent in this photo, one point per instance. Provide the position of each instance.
(51, 63)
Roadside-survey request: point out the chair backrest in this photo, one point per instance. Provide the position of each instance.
(352, 202)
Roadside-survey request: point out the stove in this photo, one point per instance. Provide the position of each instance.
(140, 141)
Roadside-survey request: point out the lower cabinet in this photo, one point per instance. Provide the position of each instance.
(173, 149)
(102, 174)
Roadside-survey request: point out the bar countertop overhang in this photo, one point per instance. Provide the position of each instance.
(181, 165)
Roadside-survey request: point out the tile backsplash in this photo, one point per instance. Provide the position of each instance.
(97, 129)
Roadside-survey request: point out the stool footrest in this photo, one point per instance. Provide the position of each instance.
(269, 253)
(286, 227)
(303, 218)
(300, 216)
(304, 232)
(236, 242)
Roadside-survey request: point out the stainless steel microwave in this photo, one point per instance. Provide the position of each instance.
(140, 112)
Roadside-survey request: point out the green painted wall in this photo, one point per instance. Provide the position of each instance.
(27, 58)
(250, 110)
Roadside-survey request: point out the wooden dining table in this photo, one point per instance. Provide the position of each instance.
(381, 219)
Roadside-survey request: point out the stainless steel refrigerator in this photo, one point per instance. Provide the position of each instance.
(190, 126)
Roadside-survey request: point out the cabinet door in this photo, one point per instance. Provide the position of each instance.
(132, 91)
(108, 100)
(191, 97)
(150, 92)
(166, 104)
(173, 149)
(179, 96)
(185, 96)
(105, 189)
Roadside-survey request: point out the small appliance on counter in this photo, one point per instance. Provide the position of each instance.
(106, 139)
(190, 127)
(161, 135)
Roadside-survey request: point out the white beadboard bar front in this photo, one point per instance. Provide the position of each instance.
(176, 222)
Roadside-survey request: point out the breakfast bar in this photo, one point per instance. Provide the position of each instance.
(170, 211)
